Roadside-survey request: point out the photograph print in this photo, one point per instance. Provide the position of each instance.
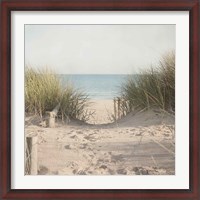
(100, 99)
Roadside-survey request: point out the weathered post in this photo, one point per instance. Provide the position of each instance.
(115, 109)
(122, 108)
(52, 120)
(52, 116)
(118, 107)
(32, 146)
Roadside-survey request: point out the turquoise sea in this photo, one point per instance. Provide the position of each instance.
(97, 86)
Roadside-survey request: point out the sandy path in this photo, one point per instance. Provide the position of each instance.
(90, 151)
(138, 144)
(103, 111)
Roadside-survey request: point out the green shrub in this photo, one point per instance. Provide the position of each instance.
(154, 87)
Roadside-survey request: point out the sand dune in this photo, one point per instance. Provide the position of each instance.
(138, 144)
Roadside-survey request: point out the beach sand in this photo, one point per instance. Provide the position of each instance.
(103, 111)
(139, 144)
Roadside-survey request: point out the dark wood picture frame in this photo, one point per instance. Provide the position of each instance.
(7, 6)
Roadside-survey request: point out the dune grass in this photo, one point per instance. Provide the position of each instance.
(154, 87)
(44, 91)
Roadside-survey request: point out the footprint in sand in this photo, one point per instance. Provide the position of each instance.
(73, 136)
(67, 146)
(70, 132)
(83, 146)
(103, 167)
(43, 170)
(90, 138)
(121, 171)
(79, 132)
(55, 172)
(140, 171)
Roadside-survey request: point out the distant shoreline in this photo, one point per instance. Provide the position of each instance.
(96, 86)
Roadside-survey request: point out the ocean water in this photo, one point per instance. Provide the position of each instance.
(97, 86)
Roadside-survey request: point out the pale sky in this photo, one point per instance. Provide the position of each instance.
(97, 49)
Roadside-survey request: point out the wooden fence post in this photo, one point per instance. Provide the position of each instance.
(120, 108)
(32, 146)
(52, 116)
(115, 115)
(118, 102)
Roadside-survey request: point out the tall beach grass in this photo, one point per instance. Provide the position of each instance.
(44, 91)
(154, 87)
